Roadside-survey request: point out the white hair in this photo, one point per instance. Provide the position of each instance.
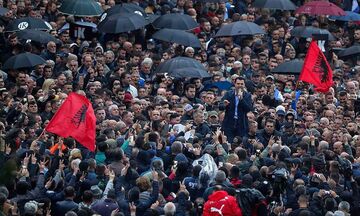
(169, 209)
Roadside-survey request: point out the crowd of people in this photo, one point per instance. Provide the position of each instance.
(263, 145)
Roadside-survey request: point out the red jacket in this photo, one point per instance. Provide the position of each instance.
(221, 203)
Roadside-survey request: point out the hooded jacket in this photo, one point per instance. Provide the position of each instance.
(220, 203)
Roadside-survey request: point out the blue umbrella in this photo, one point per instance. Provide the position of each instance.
(350, 16)
(3, 11)
(222, 85)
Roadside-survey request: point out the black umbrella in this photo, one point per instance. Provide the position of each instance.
(293, 67)
(124, 9)
(212, 1)
(121, 23)
(354, 50)
(37, 36)
(175, 21)
(178, 63)
(23, 60)
(81, 8)
(239, 28)
(27, 23)
(189, 72)
(275, 4)
(3, 11)
(178, 36)
(308, 31)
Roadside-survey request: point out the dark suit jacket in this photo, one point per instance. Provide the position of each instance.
(64, 206)
(245, 105)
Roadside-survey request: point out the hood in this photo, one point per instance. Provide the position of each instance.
(218, 195)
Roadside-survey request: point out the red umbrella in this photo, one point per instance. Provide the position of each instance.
(320, 8)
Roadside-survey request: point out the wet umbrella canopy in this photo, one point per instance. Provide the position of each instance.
(293, 67)
(178, 36)
(179, 63)
(23, 60)
(239, 28)
(275, 4)
(81, 8)
(27, 23)
(175, 21)
(121, 23)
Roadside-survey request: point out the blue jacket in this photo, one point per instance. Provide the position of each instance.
(62, 207)
(245, 105)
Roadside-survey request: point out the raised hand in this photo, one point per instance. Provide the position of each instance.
(61, 165)
(42, 165)
(33, 159)
(26, 160)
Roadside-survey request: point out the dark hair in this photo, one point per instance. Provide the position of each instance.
(87, 196)
(102, 146)
(188, 86)
(240, 78)
(69, 191)
(153, 137)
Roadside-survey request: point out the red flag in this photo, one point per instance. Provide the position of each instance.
(75, 118)
(316, 69)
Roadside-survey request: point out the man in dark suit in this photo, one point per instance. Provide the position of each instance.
(237, 103)
(68, 204)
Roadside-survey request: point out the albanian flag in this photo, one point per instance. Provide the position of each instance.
(316, 69)
(75, 118)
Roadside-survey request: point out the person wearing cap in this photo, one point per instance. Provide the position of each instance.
(269, 80)
(280, 116)
(237, 103)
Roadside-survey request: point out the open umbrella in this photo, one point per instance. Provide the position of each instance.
(81, 8)
(23, 60)
(189, 72)
(320, 8)
(178, 36)
(239, 28)
(275, 4)
(37, 36)
(178, 63)
(27, 23)
(309, 31)
(292, 67)
(125, 8)
(350, 16)
(3, 11)
(121, 23)
(222, 85)
(212, 1)
(175, 21)
(353, 50)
